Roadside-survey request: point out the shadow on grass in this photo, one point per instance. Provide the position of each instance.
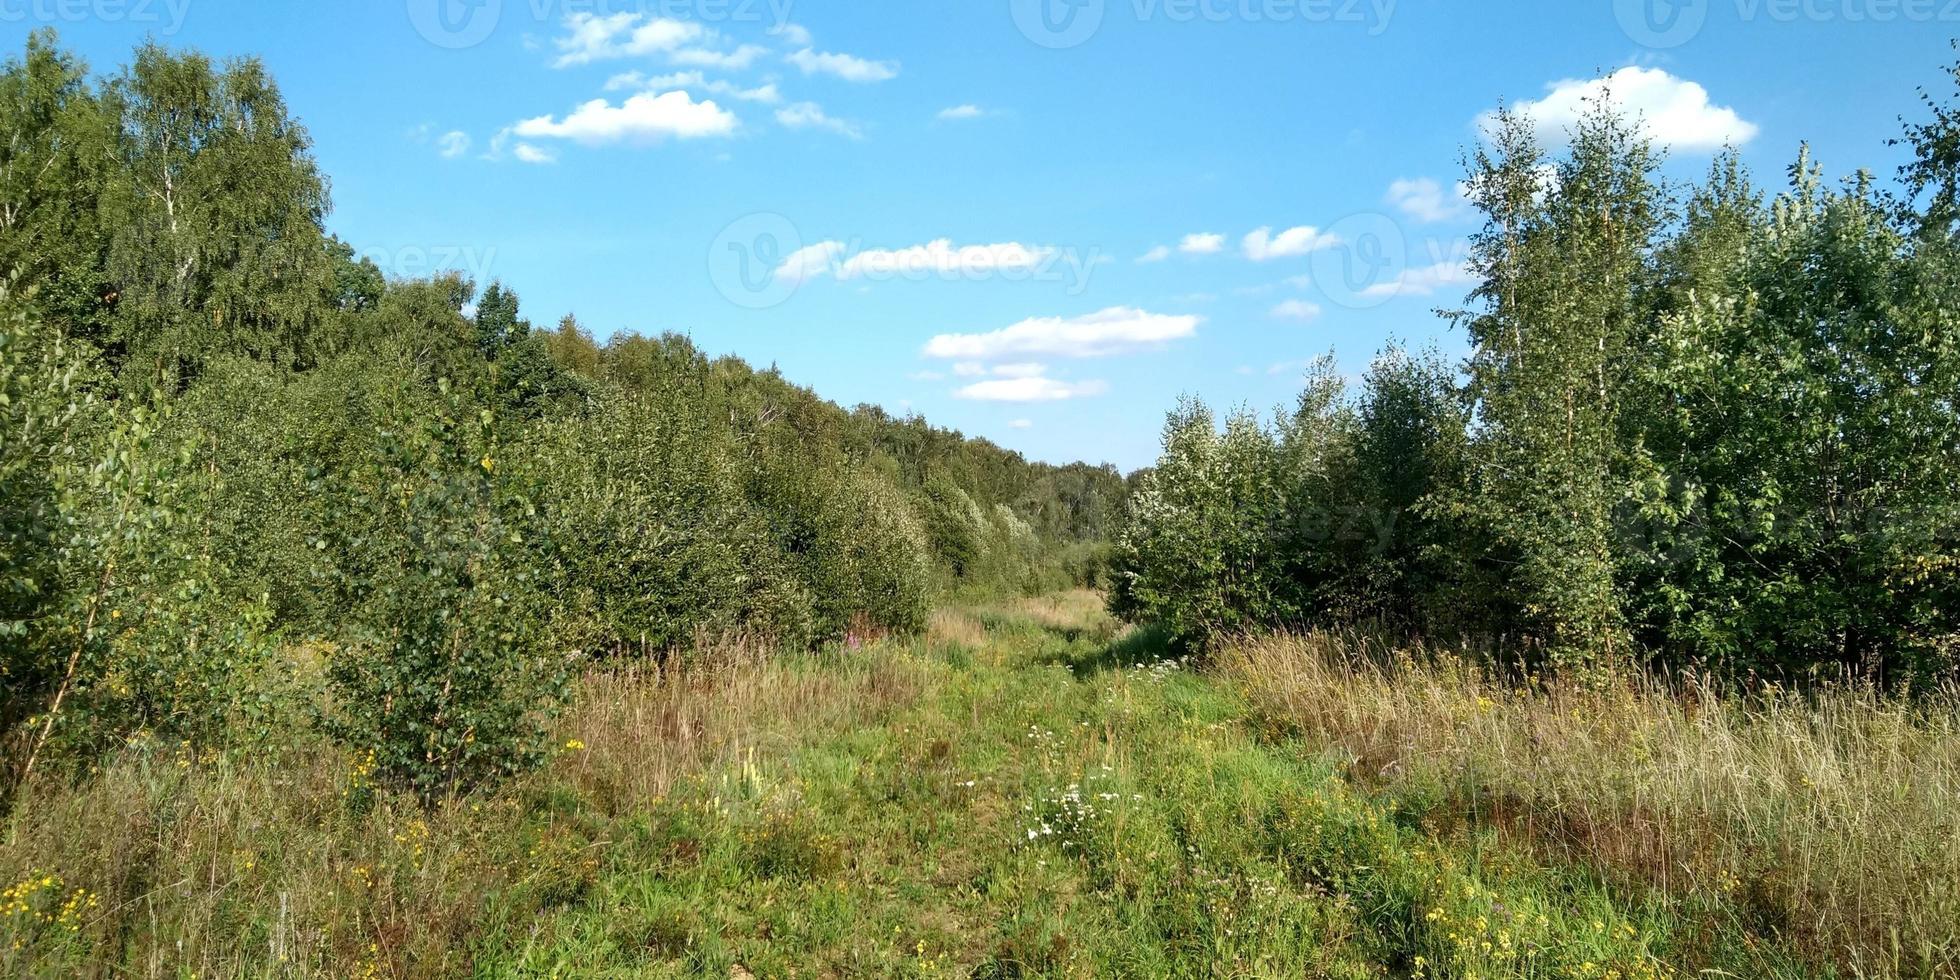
(1139, 646)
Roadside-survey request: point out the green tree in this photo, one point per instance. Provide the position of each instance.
(217, 243)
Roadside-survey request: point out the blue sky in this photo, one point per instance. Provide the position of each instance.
(1034, 224)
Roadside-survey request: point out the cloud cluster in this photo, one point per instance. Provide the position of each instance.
(1116, 330)
(1425, 200)
(1423, 281)
(1676, 112)
(591, 37)
(938, 258)
(645, 117)
(847, 67)
(1262, 245)
(809, 115)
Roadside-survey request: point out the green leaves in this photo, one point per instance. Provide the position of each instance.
(1731, 439)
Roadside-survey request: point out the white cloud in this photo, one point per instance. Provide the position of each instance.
(766, 92)
(1262, 244)
(1031, 390)
(526, 153)
(1424, 199)
(847, 67)
(1117, 330)
(810, 261)
(969, 369)
(968, 111)
(1158, 254)
(644, 117)
(1423, 281)
(1677, 112)
(1021, 370)
(795, 35)
(453, 144)
(638, 81)
(940, 258)
(943, 258)
(590, 37)
(809, 115)
(1202, 243)
(739, 59)
(1021, 424)
(1296, 309)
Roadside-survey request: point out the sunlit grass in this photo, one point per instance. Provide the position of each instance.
(1029, 789)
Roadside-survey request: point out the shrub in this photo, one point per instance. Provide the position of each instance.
(444, 675)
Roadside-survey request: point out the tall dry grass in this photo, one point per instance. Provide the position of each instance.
(1831, 820)
(295, 866)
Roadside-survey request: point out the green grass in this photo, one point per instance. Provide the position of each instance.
(1026, 791)
(1060, 801)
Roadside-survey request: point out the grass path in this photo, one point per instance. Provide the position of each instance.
(1031, 792)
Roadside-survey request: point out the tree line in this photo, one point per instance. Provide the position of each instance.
(251, 487)
(1701, 427)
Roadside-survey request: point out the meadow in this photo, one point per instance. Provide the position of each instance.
(356, 626)
(1032, 789)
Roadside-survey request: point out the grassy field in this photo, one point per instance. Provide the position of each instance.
(1032, 790)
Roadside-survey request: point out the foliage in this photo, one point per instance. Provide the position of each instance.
(1724, 439)
(444, 679)
(249, 481)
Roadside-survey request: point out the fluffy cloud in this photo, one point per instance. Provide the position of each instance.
(940, 258)
(739, 59)
(644, 117)
(1035, 389)
(1117, 330)
(526, 153)
(637, 81)
(1202, 243)
(809, 115)
(1423, 281)
(847, 67)
(1677, 112)
(1021, 424)
(810, 261)
(962, 112)
(1262, 244)
(1158, 254)
(590, 37)
(453, 144)
(1425, 200)
(1296, 309)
